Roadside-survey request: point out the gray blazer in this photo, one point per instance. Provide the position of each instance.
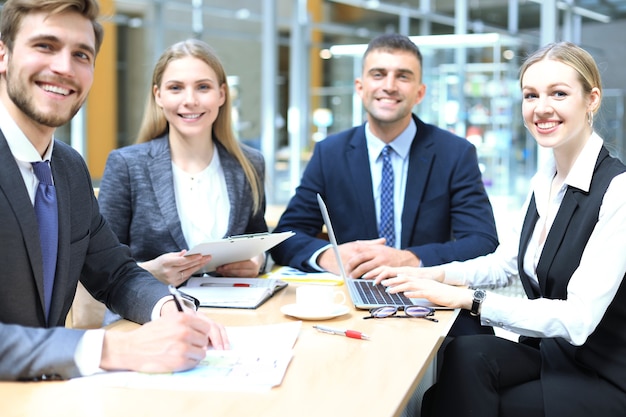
(88, 251)
(137, 197)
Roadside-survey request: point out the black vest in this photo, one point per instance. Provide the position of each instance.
(604, 353)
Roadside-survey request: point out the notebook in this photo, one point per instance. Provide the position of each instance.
(363, 293)
(232, 292)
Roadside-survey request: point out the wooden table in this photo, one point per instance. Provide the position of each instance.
(328, 376)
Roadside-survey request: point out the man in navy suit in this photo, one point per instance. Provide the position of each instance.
(441, 210)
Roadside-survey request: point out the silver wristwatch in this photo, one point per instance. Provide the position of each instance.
(479, 296)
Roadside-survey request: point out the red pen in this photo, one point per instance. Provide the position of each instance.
(217, 284)
(348, 333)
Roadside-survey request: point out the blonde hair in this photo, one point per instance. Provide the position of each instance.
(154, 123)
(574, 56)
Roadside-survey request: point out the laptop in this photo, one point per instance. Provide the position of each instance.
(363, 293)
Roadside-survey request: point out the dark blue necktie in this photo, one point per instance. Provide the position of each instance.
(48, 219)
(387, 228)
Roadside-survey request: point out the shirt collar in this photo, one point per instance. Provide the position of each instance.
(581, 174)
(21, 148)
(401, 144)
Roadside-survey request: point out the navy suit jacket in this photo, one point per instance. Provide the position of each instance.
(446, 215)
(88, 251)
(137, 197)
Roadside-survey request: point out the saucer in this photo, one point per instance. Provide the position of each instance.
(324, 313)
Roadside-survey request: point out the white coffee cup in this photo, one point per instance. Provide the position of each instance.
(318, 296)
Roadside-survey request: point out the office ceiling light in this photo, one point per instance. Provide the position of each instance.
(589, 14)
(243, 14)
(372, 4)
(325, 54)
(473, 40)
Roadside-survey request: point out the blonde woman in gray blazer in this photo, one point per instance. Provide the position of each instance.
(187, 179)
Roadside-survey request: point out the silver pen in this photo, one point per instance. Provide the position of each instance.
(348, 333)
(176, 296)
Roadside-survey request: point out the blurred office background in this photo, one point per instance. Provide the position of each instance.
(292, 65)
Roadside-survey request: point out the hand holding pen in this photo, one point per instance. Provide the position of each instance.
(216, 334)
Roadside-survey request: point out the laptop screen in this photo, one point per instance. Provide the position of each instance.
(331, 235)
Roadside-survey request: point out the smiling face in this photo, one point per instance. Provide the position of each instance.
(555, 106)
(389, 88)
(191, 96)
(48, 74)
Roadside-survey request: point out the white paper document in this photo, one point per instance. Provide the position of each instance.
(257, 361)
(289, 274)
(232, 292)
(237, 248)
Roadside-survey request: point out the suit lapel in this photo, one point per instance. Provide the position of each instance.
(162, 179)
(357, 161)
(64, 199)
(531, 288)
(233, 176)
(556, 234)
(420, 165)
(11, 184)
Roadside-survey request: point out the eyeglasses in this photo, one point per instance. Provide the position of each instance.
(419, 312)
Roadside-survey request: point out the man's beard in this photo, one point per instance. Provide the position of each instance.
(16, 91)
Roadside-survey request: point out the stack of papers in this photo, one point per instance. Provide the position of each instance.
(257, 361)
(232, 292)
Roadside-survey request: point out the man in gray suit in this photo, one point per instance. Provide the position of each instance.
(47, 54)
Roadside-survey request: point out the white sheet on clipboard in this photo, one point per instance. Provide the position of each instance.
(237, 248)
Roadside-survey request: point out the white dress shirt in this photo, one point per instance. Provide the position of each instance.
(202, 202)
(592, 286)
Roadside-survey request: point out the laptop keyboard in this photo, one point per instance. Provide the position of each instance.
(375, 294)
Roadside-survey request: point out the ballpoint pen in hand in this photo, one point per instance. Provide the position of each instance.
(348, 333)
(176, 296)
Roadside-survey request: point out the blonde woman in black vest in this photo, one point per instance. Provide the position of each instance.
(569, 253)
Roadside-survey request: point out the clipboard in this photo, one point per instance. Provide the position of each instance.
(237, 248)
